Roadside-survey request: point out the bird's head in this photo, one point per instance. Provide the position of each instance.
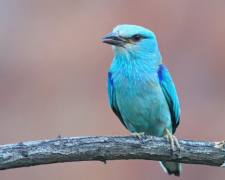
(133, 40)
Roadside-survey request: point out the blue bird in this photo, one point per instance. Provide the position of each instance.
(140, 89)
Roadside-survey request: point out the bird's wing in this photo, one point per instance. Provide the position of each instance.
(112, 98)
(170, 93)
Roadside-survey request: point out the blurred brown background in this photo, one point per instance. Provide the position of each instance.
(53, 70)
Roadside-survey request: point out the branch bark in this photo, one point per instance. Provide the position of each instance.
(103, 148)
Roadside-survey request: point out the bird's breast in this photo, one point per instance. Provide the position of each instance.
(142, 104)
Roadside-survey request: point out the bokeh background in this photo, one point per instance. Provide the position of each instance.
(53, 71)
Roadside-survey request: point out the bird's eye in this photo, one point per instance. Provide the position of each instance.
(136, 37)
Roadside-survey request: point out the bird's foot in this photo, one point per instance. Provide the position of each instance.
(173, 140)
(220, 145)
(140, 135)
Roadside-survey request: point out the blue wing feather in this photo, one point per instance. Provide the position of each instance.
(112, 98)
(170, 93)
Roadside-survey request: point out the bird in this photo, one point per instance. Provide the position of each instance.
(141, 91)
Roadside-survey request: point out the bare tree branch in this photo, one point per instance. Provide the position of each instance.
(105, 148)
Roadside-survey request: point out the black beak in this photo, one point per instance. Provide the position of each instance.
(114, 39)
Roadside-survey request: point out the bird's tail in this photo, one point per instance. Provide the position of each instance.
(171, 167)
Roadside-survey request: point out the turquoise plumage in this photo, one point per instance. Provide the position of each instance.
(140, 89)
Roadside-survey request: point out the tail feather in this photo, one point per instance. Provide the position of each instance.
(171, 167)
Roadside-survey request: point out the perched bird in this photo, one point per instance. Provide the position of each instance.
(140, 89)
